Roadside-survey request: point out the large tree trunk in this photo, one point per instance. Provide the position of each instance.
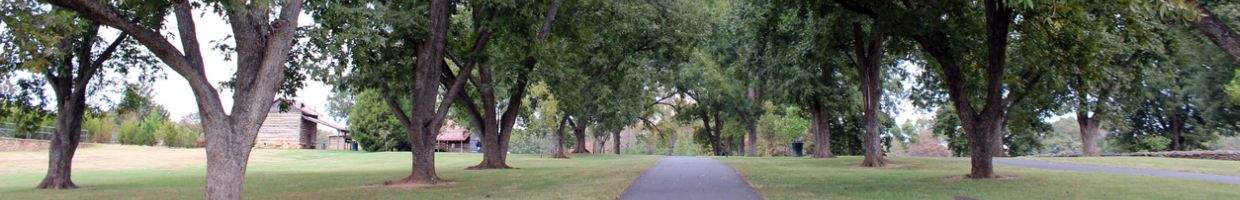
(558, 152)
(671, 141)
(990, 121)
(579, 134)
(751, 127)
(65, 140)
(869, 57)
(497, 157)
(423, 121)
(262, 51)
(1177, 132)
(615, 138)
(69, 85)
(820, 129)
(600, 144)
(1089, 136)
(1217, 31)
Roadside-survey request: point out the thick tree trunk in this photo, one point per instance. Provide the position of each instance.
(262, 50)
(1089, 136)
(751, 139)
(1177, 132)
(615, 139)
(558, 152)
(1217, 31)
(600, 144)
(423, 121)
(869, 57)
(64, 142)
(579, 134)
(996, 140)
(227, 153)
(980, 150)
(671, 142)
(751, 127)
(820, 129)
(497, 158)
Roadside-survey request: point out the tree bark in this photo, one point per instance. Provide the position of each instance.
(260, 71)
(70, 86)
(70, 111)
(869, 57)
(497, 142)
(1177, 131)
(423, 121)
(1089, 136)
(751, 127)
(671, 142)
(1087, 124)
(1217, 31)
(558, 152)
(579, 134)
(820, 129)
(615, 139)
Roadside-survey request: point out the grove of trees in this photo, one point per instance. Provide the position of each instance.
(739, 77)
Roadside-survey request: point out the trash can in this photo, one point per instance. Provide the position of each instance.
(797, 147)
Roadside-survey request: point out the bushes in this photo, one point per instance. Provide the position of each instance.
(99, 129)
(136, 133)
(178, 135)
(156, 129)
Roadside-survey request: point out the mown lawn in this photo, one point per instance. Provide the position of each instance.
(1221, 167)
(932, 178)
(312, 174)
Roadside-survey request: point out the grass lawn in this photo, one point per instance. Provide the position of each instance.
(1221, 167)
(129, 172)
(929, 178)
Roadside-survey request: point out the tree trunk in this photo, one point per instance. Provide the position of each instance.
(558, 152)
(820, 129)
(579, 134)
(600, 143)
(423, 122)
(869, 55)
(1177, 132)
(1089, 136)
(751, 127)
(1217, 31)
(671, 141)
(261, 56)
(751, 139)
(615, 138)
(65, 139)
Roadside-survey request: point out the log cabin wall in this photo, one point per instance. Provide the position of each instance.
(281, 130)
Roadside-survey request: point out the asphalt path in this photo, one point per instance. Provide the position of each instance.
(687, 178)
(1118, 170)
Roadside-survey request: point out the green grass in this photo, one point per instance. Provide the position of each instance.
(930, 178)
(310, 174)
(1222, 167)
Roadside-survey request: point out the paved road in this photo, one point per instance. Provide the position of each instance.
(686, 178)
(1118, 170)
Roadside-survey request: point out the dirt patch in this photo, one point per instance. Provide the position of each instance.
(1001, 177)
(18, 144)
(122, 157)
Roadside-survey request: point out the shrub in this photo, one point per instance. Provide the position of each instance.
(100, 129)
(177, 135)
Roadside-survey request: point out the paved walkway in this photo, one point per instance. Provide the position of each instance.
(686, 178)
(1118, 170)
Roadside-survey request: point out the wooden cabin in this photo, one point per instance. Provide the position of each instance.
(293, 125)
(455, 138)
